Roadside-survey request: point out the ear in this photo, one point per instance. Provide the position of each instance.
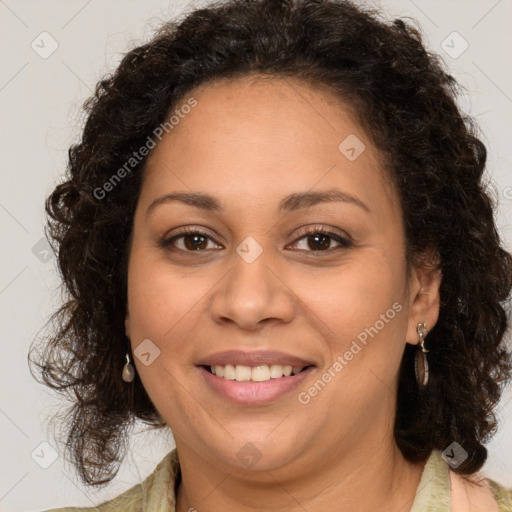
(424, 297)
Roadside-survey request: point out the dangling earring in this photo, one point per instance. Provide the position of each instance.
(128, 370)
(420, 359)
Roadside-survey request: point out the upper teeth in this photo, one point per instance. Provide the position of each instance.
(260, 373)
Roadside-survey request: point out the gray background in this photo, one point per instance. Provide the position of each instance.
(40, 101)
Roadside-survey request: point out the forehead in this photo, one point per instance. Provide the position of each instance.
(264, 132)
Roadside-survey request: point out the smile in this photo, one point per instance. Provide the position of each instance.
(253, 386)
(261, 373)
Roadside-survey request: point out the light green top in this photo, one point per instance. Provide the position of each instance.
(157, 493)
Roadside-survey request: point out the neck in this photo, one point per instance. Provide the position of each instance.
(371, 476)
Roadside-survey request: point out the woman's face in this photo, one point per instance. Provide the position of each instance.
(254, 287)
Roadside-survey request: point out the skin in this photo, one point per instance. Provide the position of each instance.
(250, 142)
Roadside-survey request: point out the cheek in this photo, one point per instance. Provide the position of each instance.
(160, 297)
(154, 313)
(365, 314)
(354, 297)
(161, 309)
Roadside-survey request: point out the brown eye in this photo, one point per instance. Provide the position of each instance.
(192, 240)
(320, 241)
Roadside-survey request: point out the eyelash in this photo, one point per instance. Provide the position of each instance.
(344, 242)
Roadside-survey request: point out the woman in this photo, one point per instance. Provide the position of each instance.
(277, 244)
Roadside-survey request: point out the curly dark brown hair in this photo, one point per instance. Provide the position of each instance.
(406, 102)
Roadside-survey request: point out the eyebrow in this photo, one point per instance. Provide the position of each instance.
(292, 202)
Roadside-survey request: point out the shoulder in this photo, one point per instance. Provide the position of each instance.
(156, 492)
(129, 501)
(442, 490)
(502, 495)
(476, 492)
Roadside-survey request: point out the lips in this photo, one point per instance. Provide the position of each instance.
(253, 378)
(250, 393)
(259, 358)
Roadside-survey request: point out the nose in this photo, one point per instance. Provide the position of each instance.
(253, 294)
